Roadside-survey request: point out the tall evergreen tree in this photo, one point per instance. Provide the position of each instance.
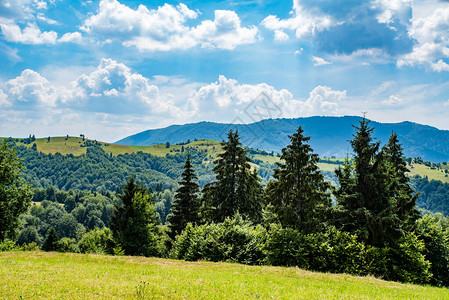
(364, 203)
(186, 206)
(299, 194)
(237, 188)
(133, 224)
(398, 182)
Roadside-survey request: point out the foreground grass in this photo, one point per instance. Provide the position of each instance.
(55, 275)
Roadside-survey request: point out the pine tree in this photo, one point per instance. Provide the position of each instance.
(364, 203)
(185, 208)
(133, 224)
(400, 190)
(237, 188)
(299, 194)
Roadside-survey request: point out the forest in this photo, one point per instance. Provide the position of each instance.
(288, 214)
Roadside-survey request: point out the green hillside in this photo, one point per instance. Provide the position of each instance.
(26, 275)
(77, 146)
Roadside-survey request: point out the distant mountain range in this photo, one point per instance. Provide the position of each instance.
(329, 135)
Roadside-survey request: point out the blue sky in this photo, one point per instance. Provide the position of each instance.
(111, 68)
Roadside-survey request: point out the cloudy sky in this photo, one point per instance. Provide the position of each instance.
(109, 68)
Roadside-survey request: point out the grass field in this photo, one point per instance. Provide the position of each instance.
(31, 275)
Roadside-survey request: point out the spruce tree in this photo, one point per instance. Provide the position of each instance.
(133, 224)
(364, 203)
(400, 190)
(237, 188)
(299, 194)
(185, 208)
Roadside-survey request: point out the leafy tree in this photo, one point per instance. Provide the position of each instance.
(51, 242)
(299, 194)
(167, 145)
(365, 205)
(15, 194)
(237, 189)
(185, 208)
(133, 224)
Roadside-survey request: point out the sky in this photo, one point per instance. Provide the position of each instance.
(108, 69)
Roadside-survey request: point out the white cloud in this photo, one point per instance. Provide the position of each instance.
(318, 61)
(42, 17)
(71, 37)
(4, 100)
(392, 10)
(393, 101)
(432, 35)
(31, 34)
(225, 32)
(323, 101)
(280, 35)
(227, 98)
(304, 23)
(30, 87)
(165, 28)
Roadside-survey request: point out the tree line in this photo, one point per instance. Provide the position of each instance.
(368, 224)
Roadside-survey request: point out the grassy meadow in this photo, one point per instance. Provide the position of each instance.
(31, 275)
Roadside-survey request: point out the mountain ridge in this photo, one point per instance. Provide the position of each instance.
(329, 135)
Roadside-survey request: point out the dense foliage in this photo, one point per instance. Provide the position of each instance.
(372, 228)
(15, 194)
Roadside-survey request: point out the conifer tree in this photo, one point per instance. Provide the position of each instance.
(299, 194)
(400, 190)
(237, 188)
(134, 224)
(364, 202)
(185, 208)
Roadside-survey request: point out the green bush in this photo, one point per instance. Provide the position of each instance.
(68, 245)
(407, 263)
(98, 241)
(331, 251)
(234, 240)
(8, 245)
(434, 232)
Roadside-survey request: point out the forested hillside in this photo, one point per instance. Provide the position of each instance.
(329, 135)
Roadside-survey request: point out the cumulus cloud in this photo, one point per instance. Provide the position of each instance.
(165, 28)
(71, 37)
(31, 34)
(332, 24)
(303, 22)
(33, 89)
(323, 101)
(432, 34)
(227, 97)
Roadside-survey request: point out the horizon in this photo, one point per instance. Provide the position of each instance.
(110, 69)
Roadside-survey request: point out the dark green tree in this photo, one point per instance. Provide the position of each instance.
(299, 194)
(237, 188)
(186, 206)
(398, 182)
(51, 242)
(133, 224)
(364, 202)
(15, 194)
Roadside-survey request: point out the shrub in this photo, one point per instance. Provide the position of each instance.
(98, 241)
(234, 240)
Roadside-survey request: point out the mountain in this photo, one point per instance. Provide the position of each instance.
(329, 135)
